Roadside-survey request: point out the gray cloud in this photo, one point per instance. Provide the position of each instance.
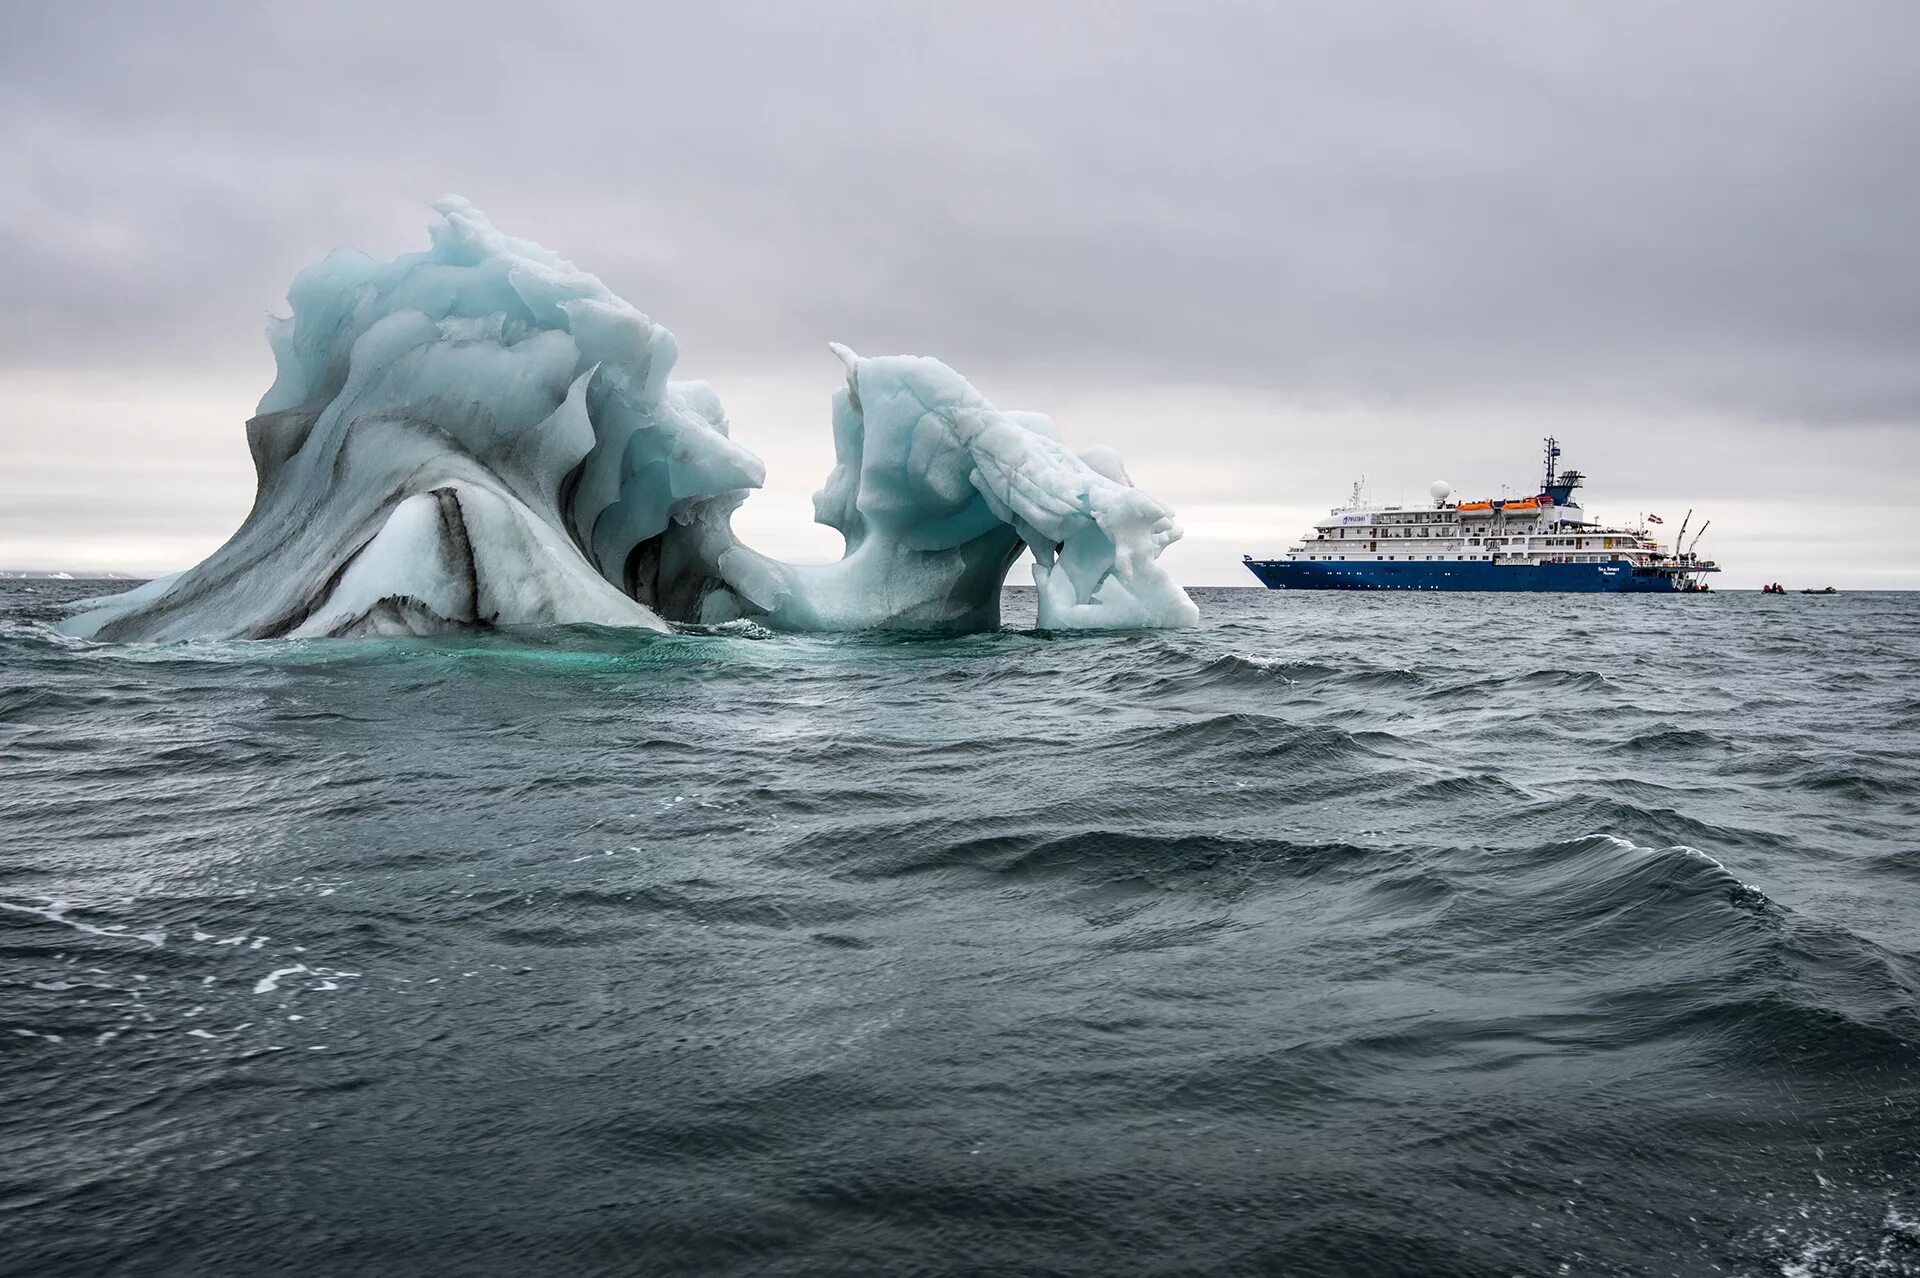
(1402, 238)
(1704, 207)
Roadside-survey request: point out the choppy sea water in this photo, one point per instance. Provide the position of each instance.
(1349, 934)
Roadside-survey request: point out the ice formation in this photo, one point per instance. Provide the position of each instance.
(482, 434)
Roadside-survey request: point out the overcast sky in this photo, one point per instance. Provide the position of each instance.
(1262, 249)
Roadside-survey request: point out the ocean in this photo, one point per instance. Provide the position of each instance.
(1349, 934)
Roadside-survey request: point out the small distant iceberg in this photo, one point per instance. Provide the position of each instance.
(481, 434)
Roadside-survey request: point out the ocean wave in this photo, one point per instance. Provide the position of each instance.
(1249, 735)
(1465, 935)
(1669, 739)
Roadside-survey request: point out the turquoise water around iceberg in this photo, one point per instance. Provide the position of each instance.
(1348, 934)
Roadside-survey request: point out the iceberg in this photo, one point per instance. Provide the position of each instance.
(483, 435)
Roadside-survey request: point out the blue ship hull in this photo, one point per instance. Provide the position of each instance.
(1607, 578)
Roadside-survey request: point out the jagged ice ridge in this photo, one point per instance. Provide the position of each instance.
(481, 434)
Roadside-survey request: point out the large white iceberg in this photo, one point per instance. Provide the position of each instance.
(483, 435)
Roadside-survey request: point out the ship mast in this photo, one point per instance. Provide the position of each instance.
(1559, 483)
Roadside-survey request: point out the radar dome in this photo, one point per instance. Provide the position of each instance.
(1441, 490)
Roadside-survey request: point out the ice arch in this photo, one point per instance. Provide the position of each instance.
(481, 434)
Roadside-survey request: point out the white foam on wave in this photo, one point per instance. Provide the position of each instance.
(330, 978)
(1857, 1249)
(271, 981)
(56, 912)
(1692, 853)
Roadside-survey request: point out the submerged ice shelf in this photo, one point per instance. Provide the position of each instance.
(482, 434)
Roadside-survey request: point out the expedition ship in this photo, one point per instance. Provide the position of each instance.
(1541, 542)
